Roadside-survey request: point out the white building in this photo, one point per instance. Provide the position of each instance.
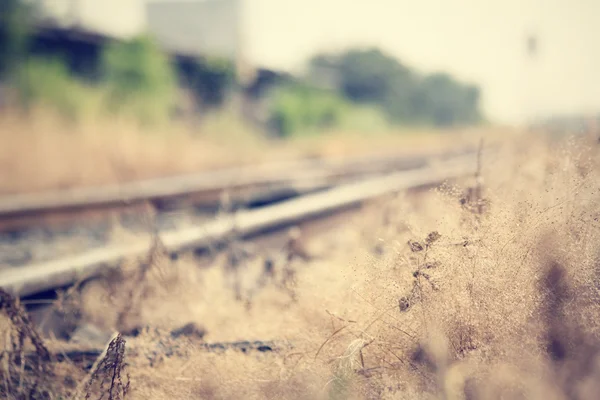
(194, 27)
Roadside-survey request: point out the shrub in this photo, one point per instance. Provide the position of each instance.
(47, 83)
(297, 108)
(140, 80)
(364, 119)
(210, 79)
(14, 29)
(371, 76)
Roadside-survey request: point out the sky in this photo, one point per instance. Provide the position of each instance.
(478, 41)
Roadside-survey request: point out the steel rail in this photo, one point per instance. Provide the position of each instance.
(304, 174)
(31, 279)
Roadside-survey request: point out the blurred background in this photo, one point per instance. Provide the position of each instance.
(387, 160)
(142, 88)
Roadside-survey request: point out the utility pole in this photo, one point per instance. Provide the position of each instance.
(74, 13)
(531, 50)
(532, 45)
(244, 73)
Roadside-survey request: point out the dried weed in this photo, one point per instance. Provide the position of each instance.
(22, 376)
(106, 378)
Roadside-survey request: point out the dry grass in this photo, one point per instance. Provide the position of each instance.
(41, 152)
(106, 377)
(22, 377)
(44, 153)
(419, 298)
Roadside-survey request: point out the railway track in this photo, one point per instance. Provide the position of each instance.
(38, 277)
(39, 227)
(246, 186)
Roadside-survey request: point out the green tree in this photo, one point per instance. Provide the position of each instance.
(14, 31)
(210, 79)
(366, 75)
(443, 101)
(370, 76)
(373, 77)
(299, 108)
(47, 82)
(140, 79)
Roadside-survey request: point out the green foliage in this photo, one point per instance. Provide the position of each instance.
(138, 83)
(299, 108)
(210, 78)
(364, 119)
(365, 75)
(373, 77)
(140, 80)
(14, 29)
(47, 82)
(446, 102)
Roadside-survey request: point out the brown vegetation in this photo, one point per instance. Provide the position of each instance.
(425, 298)
(41, 152)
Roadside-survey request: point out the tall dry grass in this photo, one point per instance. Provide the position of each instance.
(418, 297)
(497, 304)
(40, 151)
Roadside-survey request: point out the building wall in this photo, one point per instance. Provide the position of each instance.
(210, 27)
